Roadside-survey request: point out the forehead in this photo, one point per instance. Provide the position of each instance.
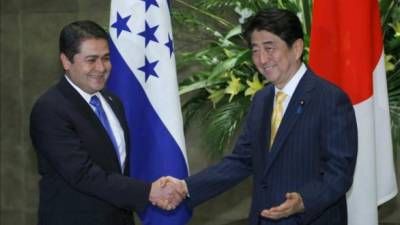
(262, 37)
(94, 45)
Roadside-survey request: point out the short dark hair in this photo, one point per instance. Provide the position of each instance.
(283, 23)
(73, 34)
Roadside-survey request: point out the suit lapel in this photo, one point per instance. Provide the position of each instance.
(266, 112)
(297, 105)
(262, 112)
(87, 113)
(80, 104)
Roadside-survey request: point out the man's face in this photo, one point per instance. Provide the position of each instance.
(91, 66)
(273, 58)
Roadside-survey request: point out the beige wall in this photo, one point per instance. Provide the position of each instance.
(29, 64)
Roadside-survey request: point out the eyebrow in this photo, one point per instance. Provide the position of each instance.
(97, 56)
(264, 43)
(268, 43)
(91, 56)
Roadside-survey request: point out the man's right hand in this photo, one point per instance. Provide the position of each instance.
(168, 192)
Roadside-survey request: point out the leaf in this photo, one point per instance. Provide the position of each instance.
(183, 89)
(392, 44)
(223, 123)
(237, 30)
(193, 107)
(396, 28)
(215, 96)
(226, 65)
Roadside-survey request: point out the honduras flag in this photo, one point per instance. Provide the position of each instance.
(143, 75)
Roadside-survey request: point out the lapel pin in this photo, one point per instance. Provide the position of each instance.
(300, 108)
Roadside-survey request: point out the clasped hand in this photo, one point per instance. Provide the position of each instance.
(168, 192)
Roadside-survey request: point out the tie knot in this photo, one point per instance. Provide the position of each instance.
(280, 97)
(95, 101)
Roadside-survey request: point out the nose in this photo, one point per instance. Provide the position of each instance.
(263, 57)
(101, 66)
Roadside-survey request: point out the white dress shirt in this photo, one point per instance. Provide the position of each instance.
(291, 86)
(112, 119)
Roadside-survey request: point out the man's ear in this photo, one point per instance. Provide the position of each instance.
(65, 61)
(298, 46)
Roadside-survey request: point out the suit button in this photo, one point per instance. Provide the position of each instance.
(264, 186)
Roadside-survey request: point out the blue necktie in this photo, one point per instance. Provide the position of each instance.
(95, 101)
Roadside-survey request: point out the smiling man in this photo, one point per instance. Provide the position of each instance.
(90, 68)
(80, 135)
(299, 141)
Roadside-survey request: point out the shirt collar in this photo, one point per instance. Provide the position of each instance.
(84, 95)
(290, 87)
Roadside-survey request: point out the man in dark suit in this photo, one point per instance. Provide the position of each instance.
(81, 137)
(299, 140)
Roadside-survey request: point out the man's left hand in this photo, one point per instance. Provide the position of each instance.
(293, 204)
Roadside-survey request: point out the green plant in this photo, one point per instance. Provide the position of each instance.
(390, 11)
(221, 89)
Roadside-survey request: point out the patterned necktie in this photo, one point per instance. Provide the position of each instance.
(277, 114)
(95, 101)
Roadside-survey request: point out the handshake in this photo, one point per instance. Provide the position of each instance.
(168, 192)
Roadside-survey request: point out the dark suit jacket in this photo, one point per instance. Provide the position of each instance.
(314, 153)
(81, 182)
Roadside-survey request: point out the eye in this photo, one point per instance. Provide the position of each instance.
(269, 49)
(91, 59)
(106, 58)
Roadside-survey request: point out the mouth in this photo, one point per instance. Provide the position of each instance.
(267, 68)
(97, 78)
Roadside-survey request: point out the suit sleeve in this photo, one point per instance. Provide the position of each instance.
(225, 174)
(338, 142)
(58, 143)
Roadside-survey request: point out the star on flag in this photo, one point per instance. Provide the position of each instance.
(148, 68)
(150, 34)
(121, 24)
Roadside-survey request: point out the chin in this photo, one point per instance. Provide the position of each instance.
(269, 78)
(98, 88)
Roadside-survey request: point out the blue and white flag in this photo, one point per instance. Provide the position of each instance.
(143, 75)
